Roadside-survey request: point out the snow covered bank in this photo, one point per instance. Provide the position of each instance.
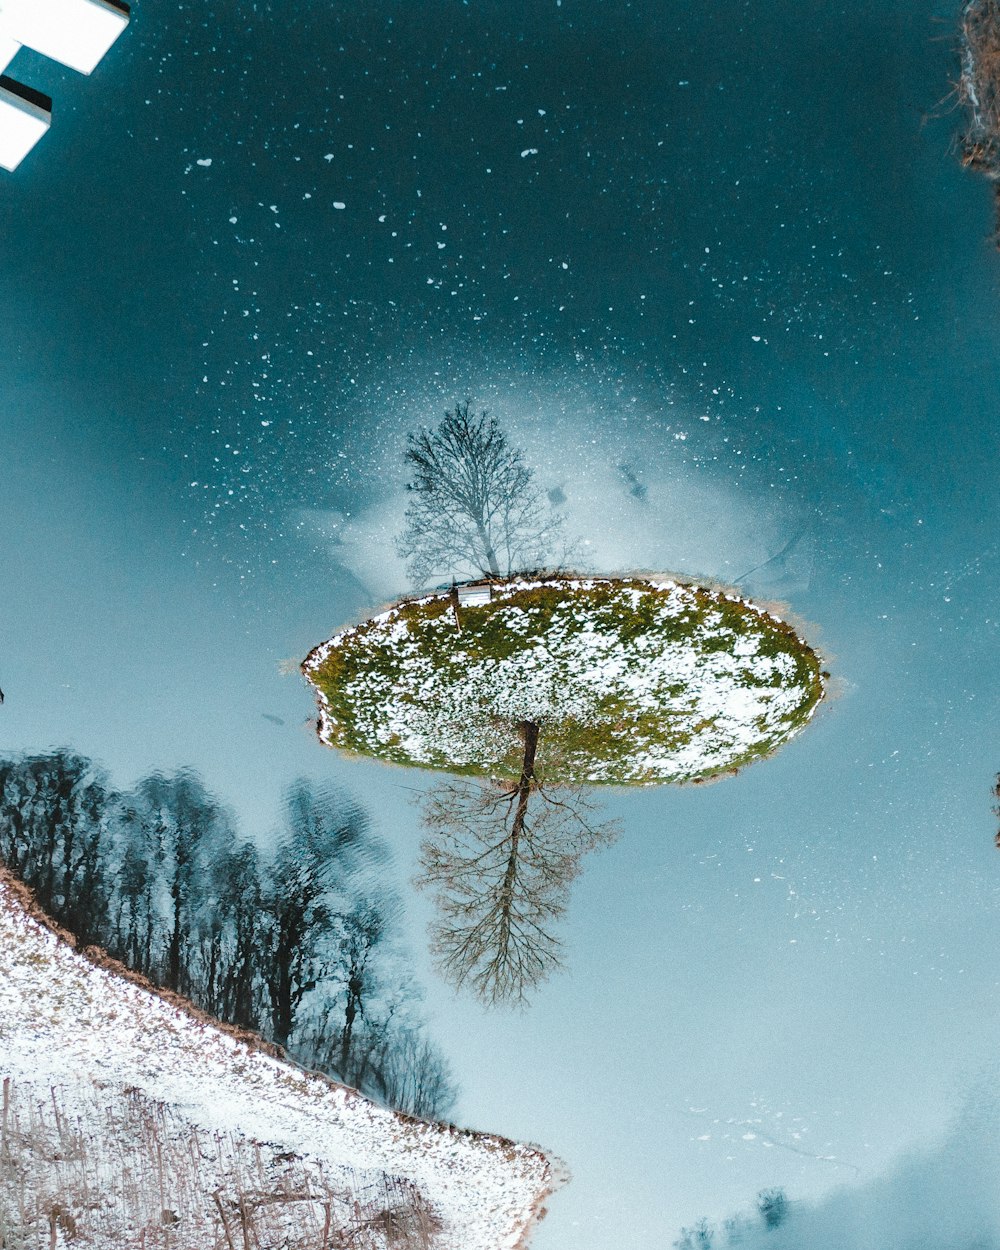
(111, 1060)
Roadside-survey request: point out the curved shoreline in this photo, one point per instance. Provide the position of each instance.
(127, 1033)
(715, 681)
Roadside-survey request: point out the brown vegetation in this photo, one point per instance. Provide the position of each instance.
(96, 1164)
(979, 91)
(135, 1175)
(130, 1172)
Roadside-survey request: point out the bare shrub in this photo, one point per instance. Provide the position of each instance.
(121, 1171)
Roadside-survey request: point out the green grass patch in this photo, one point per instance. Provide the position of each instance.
(630, 682)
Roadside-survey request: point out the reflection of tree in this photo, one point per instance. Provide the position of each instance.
(176, 826)
(500, 858)
(772, 1204)
(309, 881)
(473, 503)
(54, 815)
(773, 1209)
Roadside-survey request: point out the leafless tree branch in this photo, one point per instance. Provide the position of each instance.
(500, 857)
(474, 507)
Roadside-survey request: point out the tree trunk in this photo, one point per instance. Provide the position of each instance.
(282, 985)
(350, 1015)
(491, 557)
(176, 937)
(526, 783)
(245, 961)
(524, 787)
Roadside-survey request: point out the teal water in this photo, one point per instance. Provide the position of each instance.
(717, 270)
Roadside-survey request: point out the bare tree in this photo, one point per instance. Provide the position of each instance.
(299, 899)
(772, 1205)
(54, 834)
(413, 1076)
(474, 506)
(500, 858)
(700, 1237)
(187, 831)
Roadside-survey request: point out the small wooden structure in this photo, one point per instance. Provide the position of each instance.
(469, 596)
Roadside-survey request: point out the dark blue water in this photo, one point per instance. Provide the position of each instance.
(716, 269)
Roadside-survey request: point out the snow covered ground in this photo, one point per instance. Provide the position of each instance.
(127, 1120)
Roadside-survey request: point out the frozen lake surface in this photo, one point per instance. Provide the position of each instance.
(716, 270)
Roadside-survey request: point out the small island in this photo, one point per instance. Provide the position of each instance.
(620, 681)
(528, 691)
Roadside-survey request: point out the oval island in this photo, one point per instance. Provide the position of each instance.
(621, 681)
(628, 681)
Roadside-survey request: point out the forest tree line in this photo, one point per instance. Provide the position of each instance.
(296, 944)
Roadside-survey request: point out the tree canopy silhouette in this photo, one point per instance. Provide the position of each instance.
(474, 507)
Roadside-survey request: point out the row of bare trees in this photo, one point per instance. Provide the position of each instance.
(297, 944)
(772, 1212)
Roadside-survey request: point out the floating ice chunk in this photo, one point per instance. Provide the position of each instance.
(24, 117)
(76, 33)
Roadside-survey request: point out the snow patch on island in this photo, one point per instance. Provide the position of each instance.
(680, 681)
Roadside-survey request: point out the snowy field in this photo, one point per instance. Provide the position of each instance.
(630, 681)
(128, 1121)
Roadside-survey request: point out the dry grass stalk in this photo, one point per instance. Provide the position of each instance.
(127, 1173)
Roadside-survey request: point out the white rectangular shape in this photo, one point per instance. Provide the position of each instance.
(76, 33)
(22, 124)
(469, 596)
